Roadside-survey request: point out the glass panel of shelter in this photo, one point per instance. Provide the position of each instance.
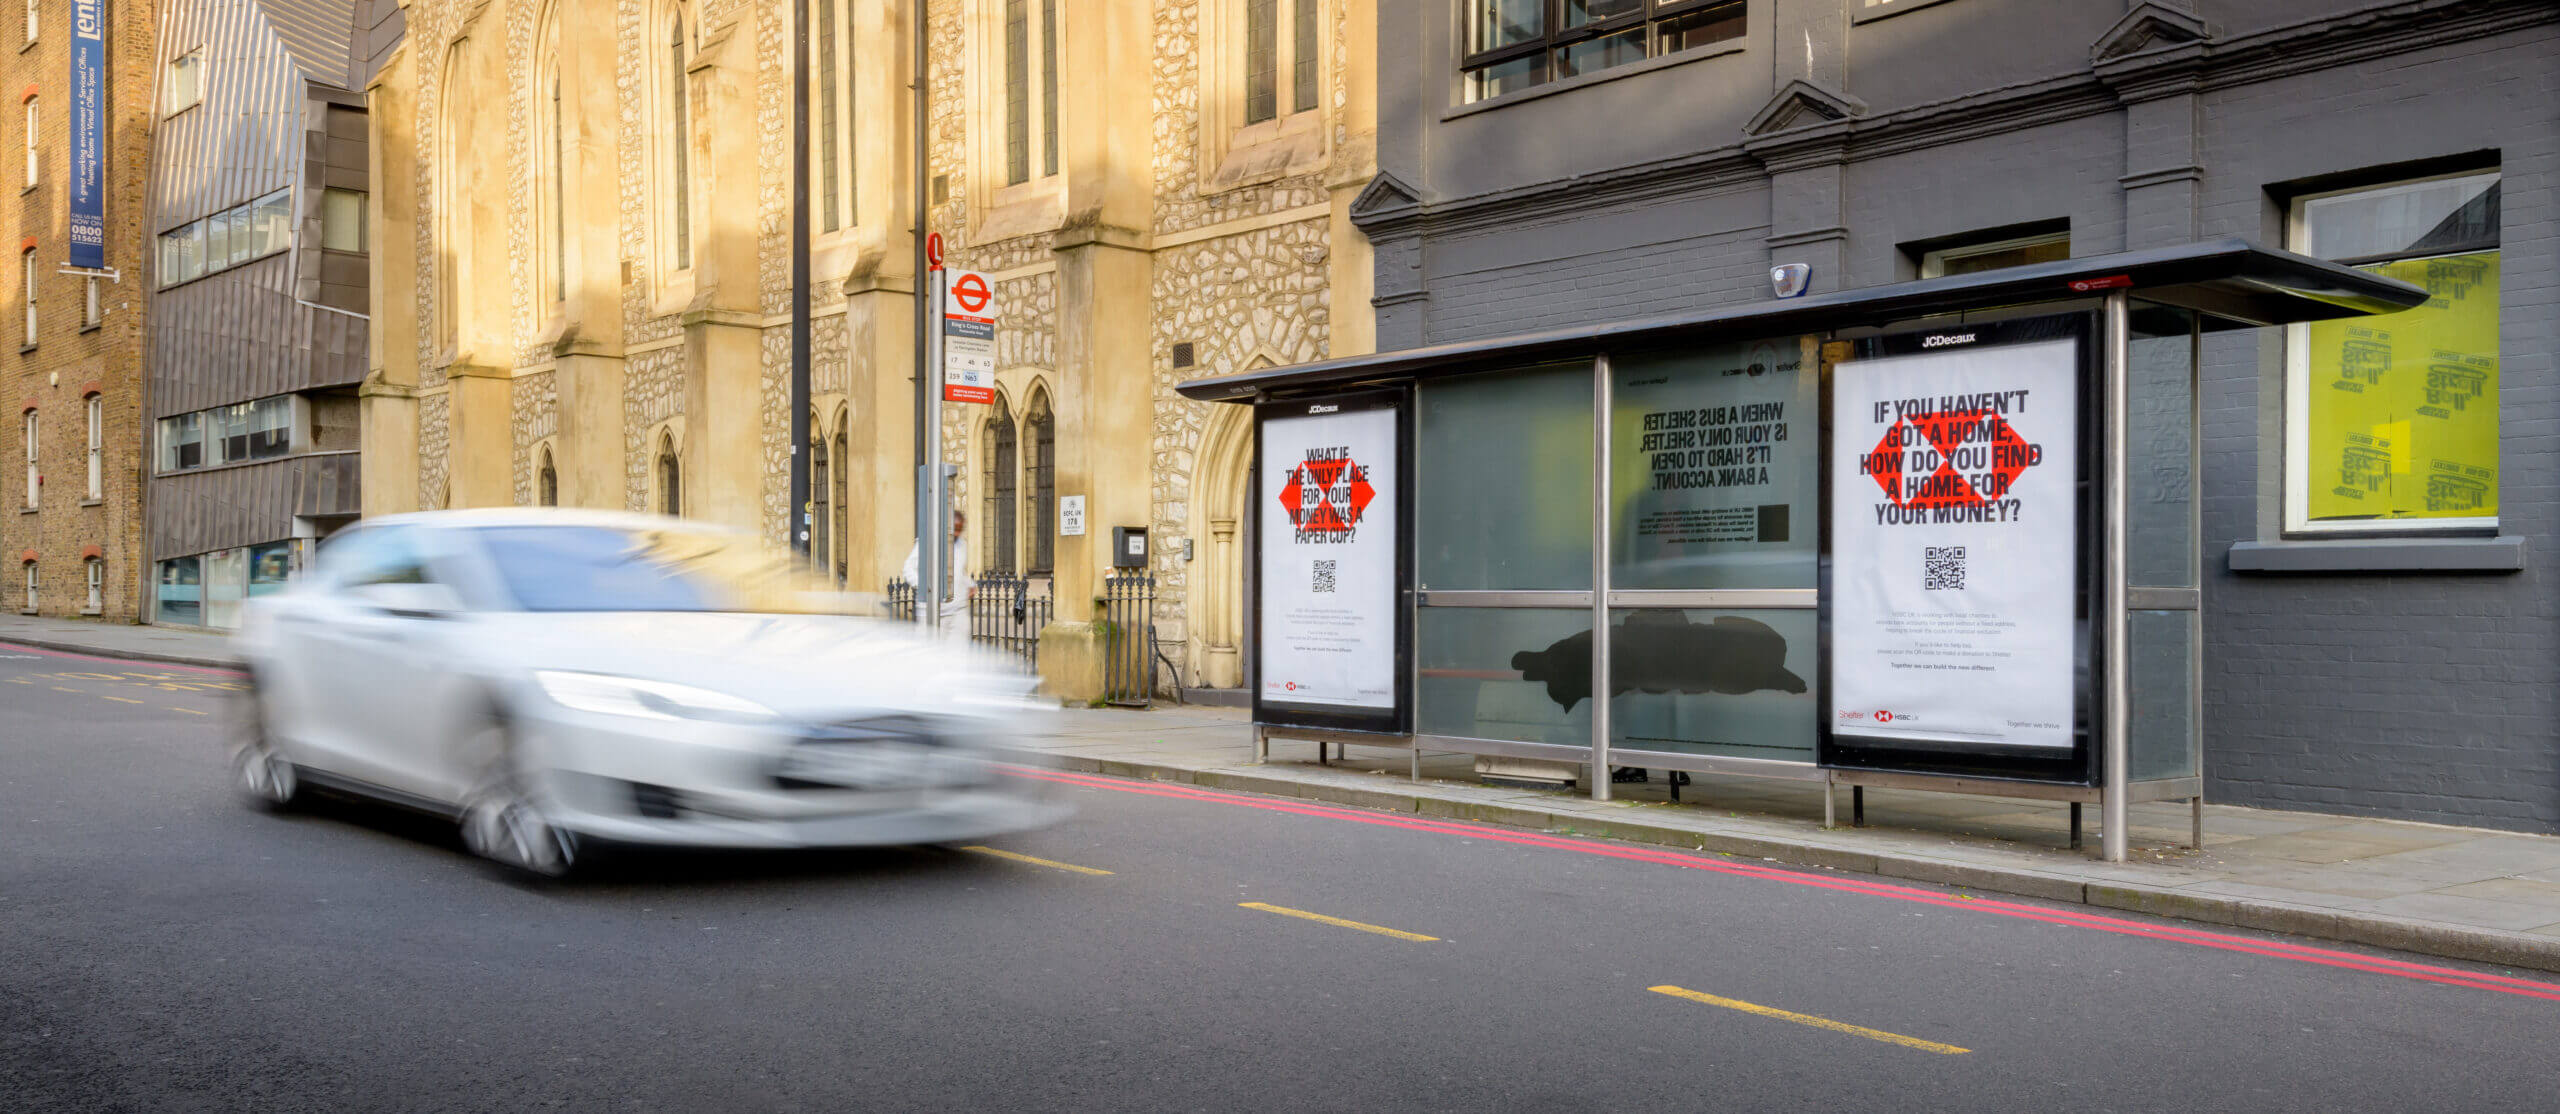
(1702, 545)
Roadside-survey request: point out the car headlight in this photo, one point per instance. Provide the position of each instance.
(633, 696)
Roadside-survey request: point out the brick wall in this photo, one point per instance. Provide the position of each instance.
(69, 357)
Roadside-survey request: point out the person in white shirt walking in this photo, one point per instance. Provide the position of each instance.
(958, 586)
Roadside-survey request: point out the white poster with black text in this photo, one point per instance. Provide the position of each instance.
(1954, 545)
(1328, 557)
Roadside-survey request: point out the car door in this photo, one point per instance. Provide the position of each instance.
(359, 659)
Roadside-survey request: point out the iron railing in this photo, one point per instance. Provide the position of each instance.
(902, 601)
(1006, 617)
(1129, 646)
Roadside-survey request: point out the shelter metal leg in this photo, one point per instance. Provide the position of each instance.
(1261, 744)
(1417, 763)
(2195, 821)
(1830, 805)
(1857, 806)
(2075, 825)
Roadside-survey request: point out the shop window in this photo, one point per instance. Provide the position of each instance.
(270, 568)
(2391, 422)
(95, 573)
(1040, 474)
(1516, 44)
(185, 79)
(226, 584)
(180, 592)
(97, 454)
(1001, 479)
(1995, 254)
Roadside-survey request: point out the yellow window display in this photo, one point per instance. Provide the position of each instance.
(2400, 412)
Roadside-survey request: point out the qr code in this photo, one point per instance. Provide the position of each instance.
(1945, 568)
(1324, 576)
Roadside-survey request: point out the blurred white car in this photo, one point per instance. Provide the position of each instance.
(552, 679)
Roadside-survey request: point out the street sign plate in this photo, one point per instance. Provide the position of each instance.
(969, 339)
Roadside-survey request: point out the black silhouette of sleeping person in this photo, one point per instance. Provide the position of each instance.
(1662, 651)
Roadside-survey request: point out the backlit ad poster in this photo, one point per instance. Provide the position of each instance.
(1954, 536)
(1327, 578)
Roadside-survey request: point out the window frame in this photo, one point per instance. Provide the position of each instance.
(96, 411)
(33, 427)
(94, 573)
(190, 64)
(30, 605)
(28, 268)
(35, 23)
(1556, 36)
(1003, 463)
(1036, 116)
(1297, 44)
(1933, 262)
(832, 99)
(32, 116)
(329, 226)
(2295, 412)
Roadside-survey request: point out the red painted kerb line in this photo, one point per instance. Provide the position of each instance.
(119, 661)
(2276, 949)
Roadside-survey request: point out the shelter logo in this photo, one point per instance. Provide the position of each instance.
(1917, 461)
(1326, 495)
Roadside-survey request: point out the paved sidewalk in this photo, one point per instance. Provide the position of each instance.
(119, 640)
(2463, 893)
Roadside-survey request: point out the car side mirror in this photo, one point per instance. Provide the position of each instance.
(411, 601)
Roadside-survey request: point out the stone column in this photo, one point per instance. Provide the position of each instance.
(588, 370)
(476, 244)
(388, 401)
(723, 449)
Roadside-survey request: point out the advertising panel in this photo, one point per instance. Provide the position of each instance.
(1330, 626)
(2403, 408)
(88, 134)
(1957, 610)
(969, 339)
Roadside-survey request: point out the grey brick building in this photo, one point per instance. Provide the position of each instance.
(2380, 625)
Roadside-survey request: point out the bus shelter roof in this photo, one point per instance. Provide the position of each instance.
(2228, 283)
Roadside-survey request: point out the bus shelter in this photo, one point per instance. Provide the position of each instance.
(1937, 535)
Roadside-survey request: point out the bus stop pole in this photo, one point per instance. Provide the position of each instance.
(1601, 394)
(2117, 723)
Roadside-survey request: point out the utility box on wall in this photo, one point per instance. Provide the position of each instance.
(1128, 547)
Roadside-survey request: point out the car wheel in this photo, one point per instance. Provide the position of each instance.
(262, 774)
(501, 822)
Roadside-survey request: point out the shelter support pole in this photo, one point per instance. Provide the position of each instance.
(1830, 802)
(1600, 397)
(2115, 732)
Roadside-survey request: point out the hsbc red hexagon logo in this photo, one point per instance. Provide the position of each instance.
(1883, 716)
(1942, 432)
(1327, 496)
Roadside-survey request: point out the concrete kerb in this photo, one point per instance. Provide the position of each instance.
(2475, 945)
(95, 651)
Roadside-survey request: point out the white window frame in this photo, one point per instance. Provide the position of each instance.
(27, 265)
(332, 200)
(35, 21)
(34, 132)
(35, 476)
(30, 607)
(93, 309)
(2297, 388)
(96, 573)
(97, 414)
(188, 67)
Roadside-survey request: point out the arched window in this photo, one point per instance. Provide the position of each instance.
(1030, 59)
(1040, 473)
(670, 477)
(822, 517)
(844, 498)
(831, 83)
(546, 481)
(559, 197)
(551, 164)
(1001, 480)
(680, 140)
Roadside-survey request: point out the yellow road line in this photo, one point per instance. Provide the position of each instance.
(189, 711)
(1019, 857)
(121, 699)
(1816, 1022)
(59, 688)
(1337, 922)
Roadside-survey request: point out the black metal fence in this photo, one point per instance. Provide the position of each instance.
(902, 601)
(1005, 615)
(1129, 646)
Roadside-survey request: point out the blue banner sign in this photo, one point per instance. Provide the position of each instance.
(88, 133)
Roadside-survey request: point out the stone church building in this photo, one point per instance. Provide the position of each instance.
(581, 287)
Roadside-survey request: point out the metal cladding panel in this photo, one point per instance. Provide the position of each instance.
(245, 140)
(320, 34)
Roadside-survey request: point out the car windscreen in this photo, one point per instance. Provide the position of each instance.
(604, 568)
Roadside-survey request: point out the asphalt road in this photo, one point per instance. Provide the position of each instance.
(167, 948)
